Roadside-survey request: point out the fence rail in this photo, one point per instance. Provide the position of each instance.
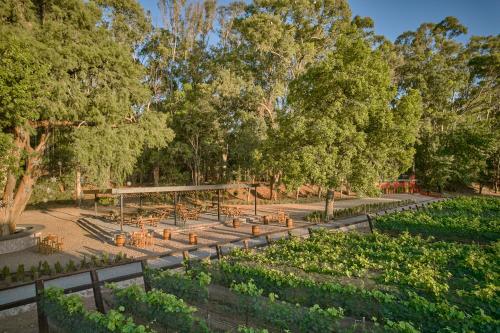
(94, 278)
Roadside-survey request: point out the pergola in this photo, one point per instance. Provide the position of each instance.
(120, 192)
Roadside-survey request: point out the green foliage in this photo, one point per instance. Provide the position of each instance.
(342, 106)
(45, 269)
(5, 272)
(183, 286)
(458, 142)
(463, 218)
(316, 216)
(283, 315)
(431, 285)
(244, 329)
(69, 314)
(58, 267)
(156, 306)
(71, 266)
(370, 208)
(20, 273)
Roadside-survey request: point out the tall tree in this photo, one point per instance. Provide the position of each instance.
(459, 88)
(69, 64)
(346, 122)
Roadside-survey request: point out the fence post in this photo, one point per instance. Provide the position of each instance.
(219, 251)
(370, 223)
(43, 324)
(97, 291)
(268, 239)
(185, 256)
(144, 266)
(245, 244)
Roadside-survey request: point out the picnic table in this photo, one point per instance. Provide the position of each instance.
(231, 211)
(50, 244)
(141, 238)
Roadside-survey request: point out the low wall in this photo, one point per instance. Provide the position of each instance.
(21, 240)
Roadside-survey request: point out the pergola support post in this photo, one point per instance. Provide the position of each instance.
(121, 212)
(95, 205)
(255, 200)
(175, 208)
(218, 205)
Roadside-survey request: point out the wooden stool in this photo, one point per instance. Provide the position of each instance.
(193, 238)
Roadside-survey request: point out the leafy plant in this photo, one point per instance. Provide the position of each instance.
(46, 270)
(20, 273)
(165, 309)
(68, 313)
(71, 266)
(5, 272)
(192, 288)
(462, 219)
(58, 268)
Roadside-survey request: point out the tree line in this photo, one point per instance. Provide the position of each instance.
(286, 92)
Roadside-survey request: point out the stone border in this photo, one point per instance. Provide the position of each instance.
(21, 240)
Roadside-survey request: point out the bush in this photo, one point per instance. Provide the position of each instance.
(166, 309)
(283, 315)
(191, 288)
(462, 219)
(68, 313)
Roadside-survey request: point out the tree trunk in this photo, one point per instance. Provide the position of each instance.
(156, 175)
(329, 204)
(78, 186)
(320, 191)
(271, 187)
(297, 194)
(16, 192)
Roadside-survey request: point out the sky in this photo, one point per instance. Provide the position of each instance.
(393, 17)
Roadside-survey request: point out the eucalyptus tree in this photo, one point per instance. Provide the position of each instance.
(69, 65)
(178, 62)
(347, 123)
(264, 46)
(459, 88)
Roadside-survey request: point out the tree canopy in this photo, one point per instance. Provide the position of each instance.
(285, 92)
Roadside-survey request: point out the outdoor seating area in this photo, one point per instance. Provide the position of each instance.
(141, 239)
(280, 217)
(50, 244)
(231, 211)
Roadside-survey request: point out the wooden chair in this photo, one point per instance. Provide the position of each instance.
(59, 244)
(149, 239)
(281, 217)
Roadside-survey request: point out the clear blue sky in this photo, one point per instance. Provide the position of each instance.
(392, 17)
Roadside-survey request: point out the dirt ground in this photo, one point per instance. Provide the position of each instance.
(78, 242)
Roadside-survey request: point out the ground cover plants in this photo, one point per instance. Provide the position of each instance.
(319, 216)
(463, 219)
(156, 306)
(69, 314)
(433, 285)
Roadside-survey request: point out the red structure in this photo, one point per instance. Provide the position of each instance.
(400, 186)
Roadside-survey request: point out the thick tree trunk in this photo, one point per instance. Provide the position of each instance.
(329, 204)
(271, 187)
(78, 186)
(17, 192)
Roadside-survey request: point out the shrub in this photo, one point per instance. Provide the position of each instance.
(166, 309)
(68, 313)
(191, 288)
